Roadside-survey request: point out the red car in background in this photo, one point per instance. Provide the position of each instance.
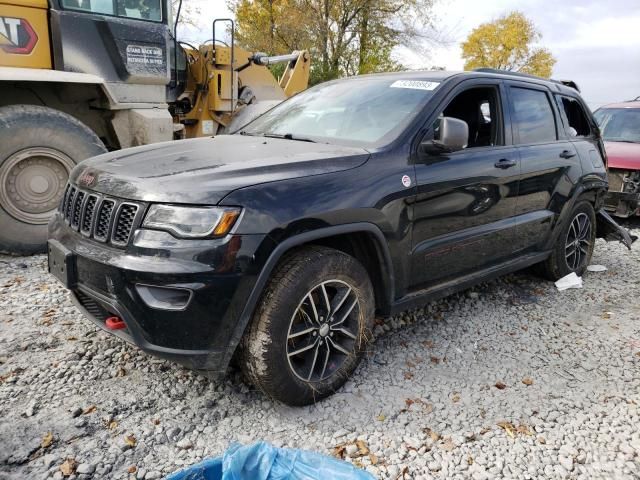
(620, 127)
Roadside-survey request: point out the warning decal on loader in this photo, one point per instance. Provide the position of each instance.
(139, 54)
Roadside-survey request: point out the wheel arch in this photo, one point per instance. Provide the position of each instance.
(364, 241)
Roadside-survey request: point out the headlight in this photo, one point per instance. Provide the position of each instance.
(191, 222)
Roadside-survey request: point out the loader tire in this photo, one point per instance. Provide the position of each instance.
(38, 148)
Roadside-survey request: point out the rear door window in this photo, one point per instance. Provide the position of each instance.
(533, 117)
(578, 125)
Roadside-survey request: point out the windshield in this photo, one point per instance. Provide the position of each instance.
(619, 124)
(364, 112)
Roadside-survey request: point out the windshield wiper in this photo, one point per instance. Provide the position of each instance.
(244, 132)
(288, 136)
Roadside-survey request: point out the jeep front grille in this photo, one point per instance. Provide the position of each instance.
(107, 220)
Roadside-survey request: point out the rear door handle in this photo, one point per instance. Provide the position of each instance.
(567, 154)
(505, 163)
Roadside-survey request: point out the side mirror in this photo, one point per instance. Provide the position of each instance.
(454, 136)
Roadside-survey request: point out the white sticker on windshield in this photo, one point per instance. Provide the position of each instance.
(415, 84)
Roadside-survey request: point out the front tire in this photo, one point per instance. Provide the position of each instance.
(574, 247)
(311, 328)
(38, 148)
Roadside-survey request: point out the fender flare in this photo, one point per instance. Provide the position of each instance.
(287, 245)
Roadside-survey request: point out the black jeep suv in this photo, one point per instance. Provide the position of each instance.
(359, 197)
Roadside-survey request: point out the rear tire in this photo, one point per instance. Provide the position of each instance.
(574, 247)
(296, 349)
(38, 148)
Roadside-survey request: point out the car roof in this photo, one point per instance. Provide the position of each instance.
(634, 104)
(441, 75)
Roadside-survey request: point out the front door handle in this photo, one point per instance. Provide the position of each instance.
(567, 154)
(505, 163)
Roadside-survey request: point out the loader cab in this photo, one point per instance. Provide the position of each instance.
(125, 42)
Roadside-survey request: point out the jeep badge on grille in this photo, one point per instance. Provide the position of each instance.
(87, 179)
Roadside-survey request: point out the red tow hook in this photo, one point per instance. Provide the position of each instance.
(115, 323)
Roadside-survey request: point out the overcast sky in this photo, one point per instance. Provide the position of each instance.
(596, 43)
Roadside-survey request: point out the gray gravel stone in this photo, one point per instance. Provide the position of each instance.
(424, 401)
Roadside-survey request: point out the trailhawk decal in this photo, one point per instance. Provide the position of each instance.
(17, 36)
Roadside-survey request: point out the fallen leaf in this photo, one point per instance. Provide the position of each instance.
(121, 372)
(500, 386)
(524, 429)
(408, 402)
(363, 449)
(508, 427)
(435, 360)
(112, 425)
(68, 467)
(428, 343)
(47, 440)
(435, 436)
(381, 418)
(339, 451)
(89, 410)
(408, 375)
(130, 440)
(373, 459)
(71, 339)
(409, 364)
(448, 445)
(527, 381)
(156, 421)
(132, 469)
(455, 398)
(542, 440)
(637, 354)
(469, 460)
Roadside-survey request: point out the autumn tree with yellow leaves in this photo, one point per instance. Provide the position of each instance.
(508, 43)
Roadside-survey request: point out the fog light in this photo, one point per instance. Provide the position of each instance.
(164, 298)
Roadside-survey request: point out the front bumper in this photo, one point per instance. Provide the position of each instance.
(220, 274)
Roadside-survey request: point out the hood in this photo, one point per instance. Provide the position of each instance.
(205, 170)
(623, 155)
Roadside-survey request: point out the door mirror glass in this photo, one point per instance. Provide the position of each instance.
(451, 134)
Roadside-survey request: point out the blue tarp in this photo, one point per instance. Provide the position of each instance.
(262, 461)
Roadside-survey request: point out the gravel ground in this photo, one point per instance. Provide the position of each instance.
(510, 379)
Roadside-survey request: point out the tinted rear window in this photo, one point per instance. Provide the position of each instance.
(533, 116)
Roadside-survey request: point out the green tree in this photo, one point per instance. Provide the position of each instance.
(345, 37)
(508, 43)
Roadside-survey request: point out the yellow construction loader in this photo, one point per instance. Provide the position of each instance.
(79, 77)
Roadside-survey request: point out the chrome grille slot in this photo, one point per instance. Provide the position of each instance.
(103, 223)
(89, 211)
(124, 223)
(77, 209)
(69, 204)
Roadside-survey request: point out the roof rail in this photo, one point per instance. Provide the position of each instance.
(568, 83)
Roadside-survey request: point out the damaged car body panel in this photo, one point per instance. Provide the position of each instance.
(620, 126)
